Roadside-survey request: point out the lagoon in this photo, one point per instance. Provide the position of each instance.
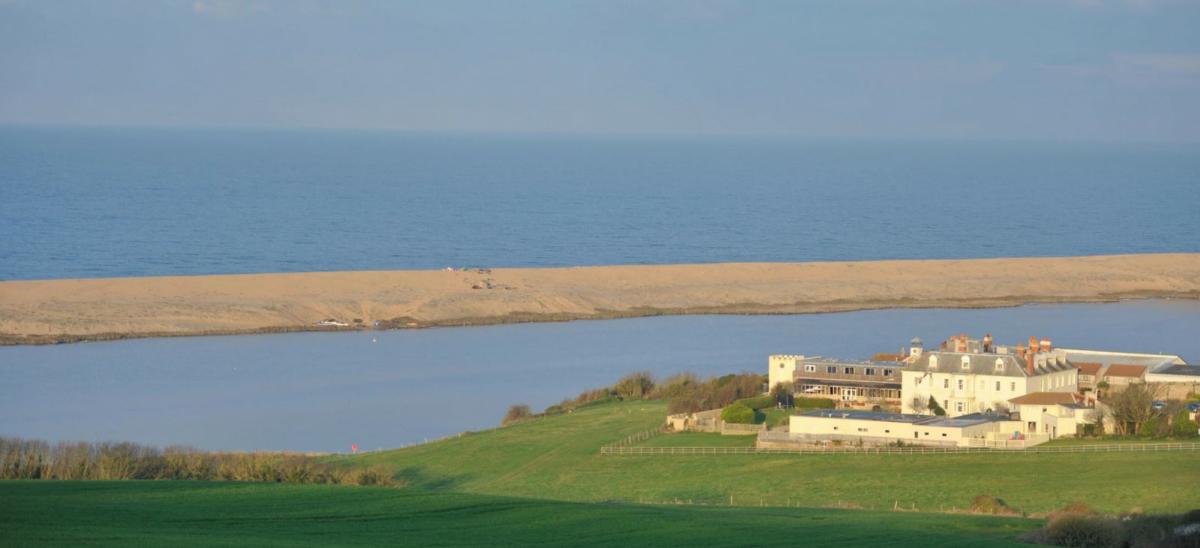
(380, 389)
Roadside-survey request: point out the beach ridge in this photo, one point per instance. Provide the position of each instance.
(55, 311)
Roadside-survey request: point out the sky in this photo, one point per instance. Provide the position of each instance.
(1112, 70)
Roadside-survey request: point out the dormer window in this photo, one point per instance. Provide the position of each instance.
(966, 362)
(933, 362)
(999, 365)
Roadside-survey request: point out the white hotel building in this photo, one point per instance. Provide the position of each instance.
(973, 376)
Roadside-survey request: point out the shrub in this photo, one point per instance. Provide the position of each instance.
(674, 385)
(738, 413)
(758, 402)
(814, 403)
(987, 504)
(1085, 531)
(635, 386)
(1073, 509)
(515, 414)
(935, 407)
(715, 393)
(374, 476)
(1183, 426)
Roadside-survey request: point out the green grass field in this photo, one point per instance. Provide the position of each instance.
(181, 513)
(544, 482)
(557, 458)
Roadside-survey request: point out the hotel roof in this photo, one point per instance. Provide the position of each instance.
(1046, 398)
(980, 363)
(1125, 370)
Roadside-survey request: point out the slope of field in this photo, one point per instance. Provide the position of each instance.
(93, 309)
(180, 513)
(557, 457)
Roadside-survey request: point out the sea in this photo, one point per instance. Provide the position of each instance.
(80, 202)
(86, 202)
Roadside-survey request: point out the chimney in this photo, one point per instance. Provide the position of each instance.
(1046, 345)
(987, 343)
(1029, 353)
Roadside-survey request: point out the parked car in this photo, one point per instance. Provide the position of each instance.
(1158, 405)
(1193, 407)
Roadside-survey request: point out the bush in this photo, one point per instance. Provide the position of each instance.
(1183, 426)
(935, 407)
(715, 393)
(987, 504)
(516, 413)
(635, 386)
(738, 413)
(814, 403)
(758, 402)
(1085, 531)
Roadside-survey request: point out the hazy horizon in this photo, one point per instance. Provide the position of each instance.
(1063, 70)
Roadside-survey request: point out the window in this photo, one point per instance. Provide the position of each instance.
(1012, 387)
(848, 370)
(943, 434)
(999, 365)
(869, 371)
(958, 407)
(831, 370)
(945, 404)
(835, 428)
(933, 362)
(960, 384)
(945, 383)
(781, 365)
(810, 368)
(997, 386)
(862, 429)
(887, 431)
(966, 362)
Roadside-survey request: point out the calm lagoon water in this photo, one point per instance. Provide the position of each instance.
(121, 202)
(324, 391)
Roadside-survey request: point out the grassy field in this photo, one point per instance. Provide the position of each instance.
(697, 439)
(181, 513)
(557, 458)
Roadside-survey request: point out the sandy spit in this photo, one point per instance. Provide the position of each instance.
(51, 311)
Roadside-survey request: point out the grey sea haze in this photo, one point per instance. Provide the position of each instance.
(324, 391)
(133, 202)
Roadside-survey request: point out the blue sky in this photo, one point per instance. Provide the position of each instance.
(1121, 70)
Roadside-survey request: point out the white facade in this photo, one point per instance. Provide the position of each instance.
(781, 368)
(977, 383)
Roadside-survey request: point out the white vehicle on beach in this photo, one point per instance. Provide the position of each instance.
(330, 322)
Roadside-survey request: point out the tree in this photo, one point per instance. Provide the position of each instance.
(919, 405)
(783, 393)
(935, 407)
(634, 386)
(1133, 407)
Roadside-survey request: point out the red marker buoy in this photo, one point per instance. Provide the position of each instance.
(354, 448)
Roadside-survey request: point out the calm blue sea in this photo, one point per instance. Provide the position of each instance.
(93, 202)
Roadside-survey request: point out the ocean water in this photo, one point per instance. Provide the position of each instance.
(108, 202)
(324, 391)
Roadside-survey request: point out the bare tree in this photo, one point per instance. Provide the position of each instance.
(919, 405)
(1133, 406)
